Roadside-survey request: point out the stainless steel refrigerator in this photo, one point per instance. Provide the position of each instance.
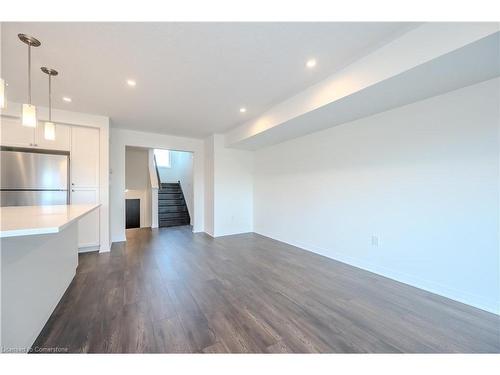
(33, 177)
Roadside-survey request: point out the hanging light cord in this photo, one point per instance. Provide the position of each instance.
(29, 74)
(50, 98)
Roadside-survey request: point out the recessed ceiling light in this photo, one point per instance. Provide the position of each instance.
(243, 110)
(131, 82)
(311, 63)
(66, 99)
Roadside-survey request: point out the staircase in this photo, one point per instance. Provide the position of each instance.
(172, 209)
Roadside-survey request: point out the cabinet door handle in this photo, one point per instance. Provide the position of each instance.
(73, 183)
(73, 190)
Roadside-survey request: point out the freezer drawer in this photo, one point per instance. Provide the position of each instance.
(32, 198)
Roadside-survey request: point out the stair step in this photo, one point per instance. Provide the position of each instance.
(170, 198)
(172, 208)
(169, 190)
(173, 215)
(173, 222)
(170, 195)
(171, 202)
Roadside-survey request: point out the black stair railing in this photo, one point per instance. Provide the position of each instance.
(157, 172)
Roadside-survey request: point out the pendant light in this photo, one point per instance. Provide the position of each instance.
(49, 127)
(2, 94)
(29, 110)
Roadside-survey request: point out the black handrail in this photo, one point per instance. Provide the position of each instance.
(157, 173)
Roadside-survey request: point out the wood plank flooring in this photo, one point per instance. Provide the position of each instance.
(171, 291)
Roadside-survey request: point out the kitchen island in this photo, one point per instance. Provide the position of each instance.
(38, 260)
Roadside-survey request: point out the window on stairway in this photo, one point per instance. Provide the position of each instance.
(162, 158)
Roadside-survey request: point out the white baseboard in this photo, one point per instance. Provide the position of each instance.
(88, 249)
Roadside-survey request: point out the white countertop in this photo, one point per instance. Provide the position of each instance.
(34, 220)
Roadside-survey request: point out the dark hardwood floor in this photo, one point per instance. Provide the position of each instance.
(169, 290)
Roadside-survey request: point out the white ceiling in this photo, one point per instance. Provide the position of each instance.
(192, 78)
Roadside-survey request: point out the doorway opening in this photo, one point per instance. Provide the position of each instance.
(175, 193)
(158, 187)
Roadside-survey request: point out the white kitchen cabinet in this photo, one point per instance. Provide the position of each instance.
(88, 226)
(62, 141)
(84, 181)
(84, 157)
(14, 134)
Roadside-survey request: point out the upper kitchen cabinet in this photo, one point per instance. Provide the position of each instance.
(14, 134)
(61, 142)
(84, 157)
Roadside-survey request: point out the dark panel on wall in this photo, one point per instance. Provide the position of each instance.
(132, 213)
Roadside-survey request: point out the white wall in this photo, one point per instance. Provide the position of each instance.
(119, 139)
(136, 168)
(209, 185)
(423, 178)
(181, 169)
(229, 181)
(137, 181)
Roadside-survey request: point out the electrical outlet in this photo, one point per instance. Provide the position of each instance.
(375, 241)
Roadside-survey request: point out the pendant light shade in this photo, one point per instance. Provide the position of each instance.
(29, 110)
(50, 131)
(49, 127)
(29, 115)
(2, 94)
